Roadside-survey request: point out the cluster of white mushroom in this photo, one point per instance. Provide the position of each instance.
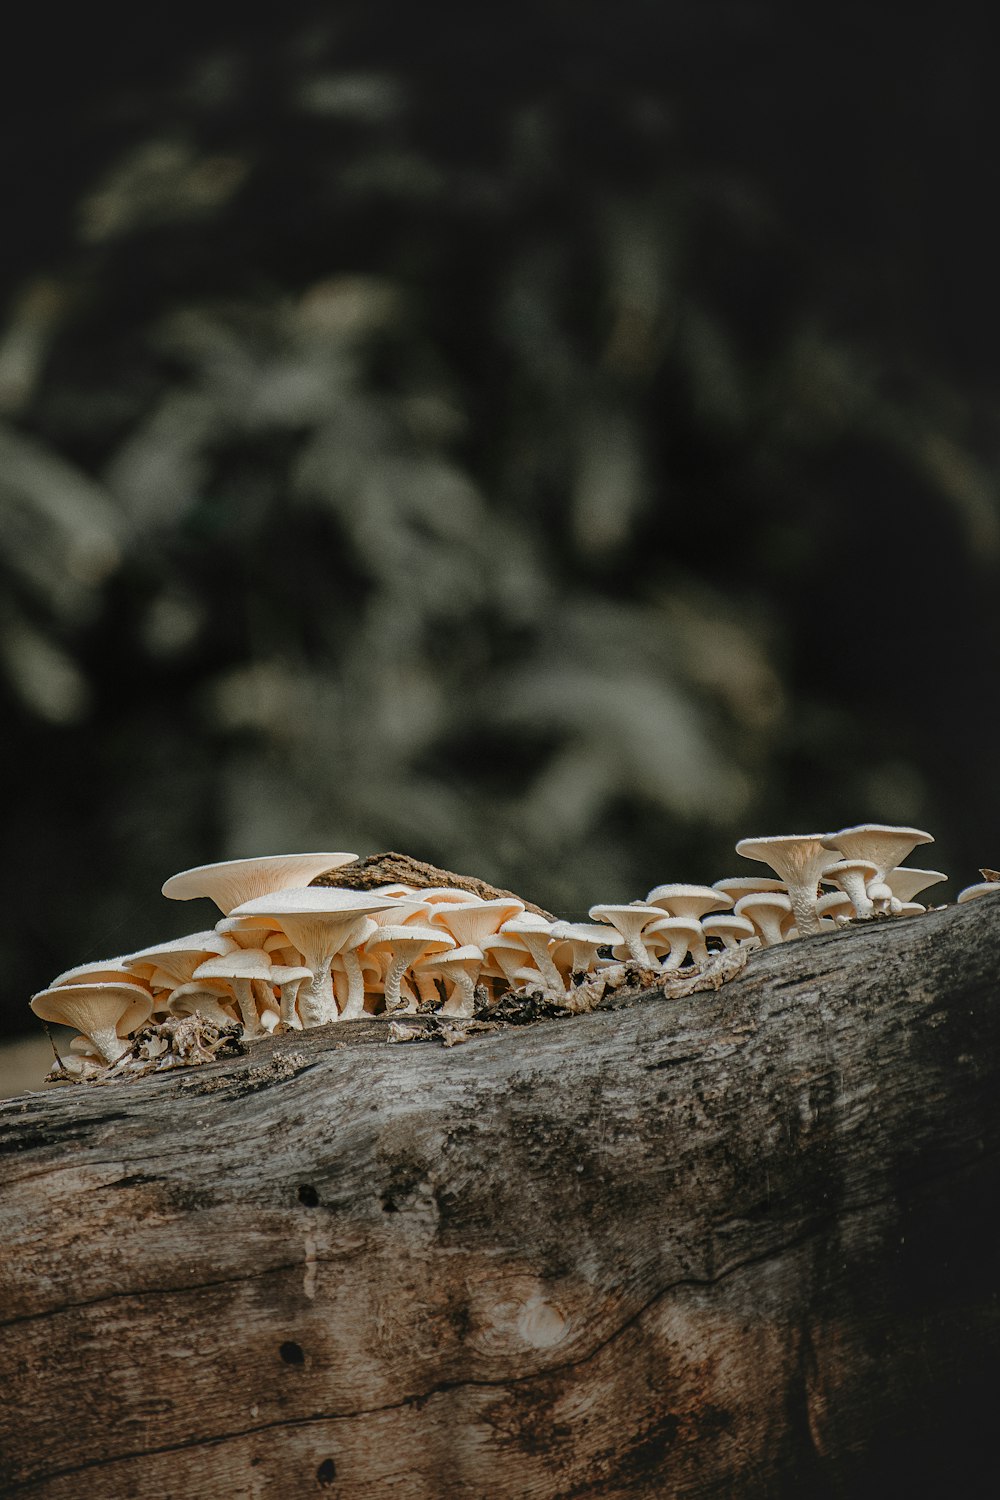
(288, 954)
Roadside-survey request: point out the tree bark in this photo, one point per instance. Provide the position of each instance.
(740, 1244)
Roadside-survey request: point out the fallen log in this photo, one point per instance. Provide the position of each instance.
(736, 1244)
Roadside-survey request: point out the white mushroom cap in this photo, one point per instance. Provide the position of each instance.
(241, 963)
(747, 885)
(103, 1012)
(424, 939)
(883, 844)
(403, 909)
(435, 894)
(505, 954)
(983, 888)
(231, 882)
(180, 956)
(906, 882)
(766, 909)
(99, 971)
(474, 921)
(689, 900)
(799, 860)
(729, 928)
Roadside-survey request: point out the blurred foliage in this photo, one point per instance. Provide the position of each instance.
(441, 432)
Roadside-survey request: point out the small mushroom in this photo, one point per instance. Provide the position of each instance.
(178, 957)
(288, 979)
(241, 968)
(104, 1012)
(983, 888)
(746, 885)
(906, 882)
(680, 936)
(766, 910)
(407, 946)
(348, 959)
(628, 921)
(212, 999)
(536, 935)
(97, 971)
(799, 860)
(471, 922)
(883, 844)
(689, 900)
(578, 945)
(835, 908)
(852, 877)
(730, 929)
(461, 967)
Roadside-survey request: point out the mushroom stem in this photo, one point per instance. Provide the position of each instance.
(354, 1005)
(462, 1000)
(803, 899)
(537, 944)
(248, 1008)
(317, 1003)
(288, 993)
(108, 1043)
(394, 974)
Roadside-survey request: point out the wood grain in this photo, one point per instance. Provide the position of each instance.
(737, 1244)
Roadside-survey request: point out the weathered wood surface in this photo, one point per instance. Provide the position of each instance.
(739, 1245)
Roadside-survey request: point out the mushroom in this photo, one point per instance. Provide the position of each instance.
(835, 908)
(461, 967)
(689, 900)
(178, 958)
(577, 945)
(211, 998)
(319, 921)
(881, 843)
(799, 860)
(232, 882)
(766, 909)
(730, 929)
(96, 972)
(681, 936)
(983, 888)
(506, 955)
(474, 921)
(104, 1012)
(535, 933)
(906, 882)
(408, 945)
(288, 979)
(241, 968)
(628, 922)
(852, 876)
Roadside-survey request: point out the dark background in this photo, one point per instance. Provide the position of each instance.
(554, 442)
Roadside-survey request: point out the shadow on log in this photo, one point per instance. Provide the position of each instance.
(741, 1245)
